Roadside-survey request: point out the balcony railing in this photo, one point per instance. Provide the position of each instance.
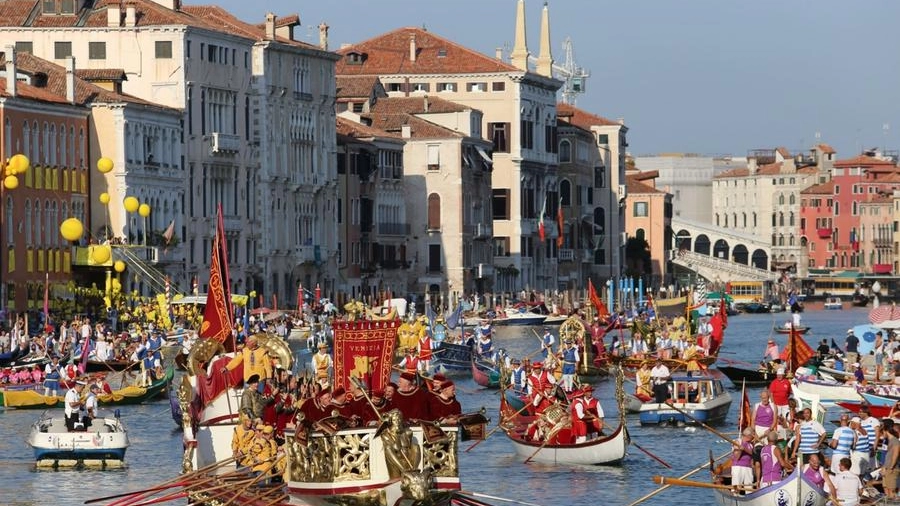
(484, 271)
(882, 242)
(484, 231)
(566, 255)
(400, 229)
(225, 143)
(824, 233)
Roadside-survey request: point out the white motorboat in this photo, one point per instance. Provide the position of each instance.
(833, 303)
(104, 441)
(828, 391)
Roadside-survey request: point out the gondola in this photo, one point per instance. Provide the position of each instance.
(30, 399)
(750, 377)
(793, 489)
(485, 373)
(787, 330)
(452, 359)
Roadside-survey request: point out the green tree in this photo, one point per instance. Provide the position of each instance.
(637, 258)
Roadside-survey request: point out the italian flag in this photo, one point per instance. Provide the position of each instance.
(542, 234)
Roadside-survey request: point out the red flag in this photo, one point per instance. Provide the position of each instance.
(169, 232)
(746, 412)
(723, 310)
(300, 299)
(217, 315)
(559, 222)
(542, 234)
(797, 352)
(601, 308)
(364, 349)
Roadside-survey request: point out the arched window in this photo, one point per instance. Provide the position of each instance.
(63, 156)
(781, 199)
(565, 151)
(28, 229)
(754, 219)
(791, 218)
(791, 240)
(38, 240)
(26, 140)
(48, 225)
(717, 220)
(781, 240)
(792, 199)
(7, 137)
(774, 240)
(639, 234)
(35, 144)
(726, 219)
(434, 212)
(10, 225)
(774, 220)
(565, 192)
(780, 219)
(734, 219)
(744, 216)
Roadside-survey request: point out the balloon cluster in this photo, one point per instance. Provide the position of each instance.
(16, 165)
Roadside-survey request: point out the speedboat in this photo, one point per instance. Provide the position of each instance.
(105, 440)
(833, 303)
(692, 399)
(520, 316)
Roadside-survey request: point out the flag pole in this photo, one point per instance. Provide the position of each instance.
(741, 418)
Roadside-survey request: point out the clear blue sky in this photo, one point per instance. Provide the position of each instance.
(703, 76)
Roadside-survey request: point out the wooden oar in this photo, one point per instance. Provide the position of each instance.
(654, 457)
(698, 422)
(683, 476)
(262, 475)
(174, 482)
(664, 480)
(498, 427)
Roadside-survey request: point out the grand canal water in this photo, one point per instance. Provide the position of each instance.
(492, 468)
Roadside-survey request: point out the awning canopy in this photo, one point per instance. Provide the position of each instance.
(882, 268)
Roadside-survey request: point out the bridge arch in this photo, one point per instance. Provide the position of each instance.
(740, 254)
(684, 239)
(702, 244)
(720, 249)
(760, 259)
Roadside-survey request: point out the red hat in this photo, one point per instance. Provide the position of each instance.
(408, 376)
(587, 389)
(323, 392)
(439, 377)
(378, 394)
(339, 391)
(447, 384)
(537, 365)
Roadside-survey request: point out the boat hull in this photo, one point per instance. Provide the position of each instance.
(452, 359)
(829, 392)
(784, 492)
(607, 450)
(30, 399)
(713, 411)
(485, 375)
(876, 411)
(786, 330)
(105, 439)
(750, 377)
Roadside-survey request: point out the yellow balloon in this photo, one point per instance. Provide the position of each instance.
(144, 210)
(104, 165)
(131, 204)
(101, 254)
(71, 229)
(19, 163)
(119, 266)
(11, 182)
(116, 285)
(104, 198)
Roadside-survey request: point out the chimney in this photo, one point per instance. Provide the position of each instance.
(70, 79)
(498, 53)
(323, 36)
(752, 166)
(113, 16)
(10, 54)
(130, 16)
(270, 26)
(545, 58)
(412, 47)
(405, 132)
(425, 104)
(519, 56)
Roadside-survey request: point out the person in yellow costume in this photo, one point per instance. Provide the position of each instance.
(263, 454)
(321, 363)
(241, 440)
(255, 360)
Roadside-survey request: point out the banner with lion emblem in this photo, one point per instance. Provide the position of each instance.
(364, 349)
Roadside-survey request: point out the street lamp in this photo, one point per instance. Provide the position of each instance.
(17, 164)
(144, 212)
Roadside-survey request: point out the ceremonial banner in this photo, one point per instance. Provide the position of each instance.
(797, 352)
(602, 310)
(364, 349)
(217, 315)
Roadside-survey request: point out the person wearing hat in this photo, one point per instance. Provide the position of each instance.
(659, 375)
(444, 408)
(771, 353)
(252, 402)
(425, 345)
(73, 405)
(410, 362)
(540, 385)
(358, 406)
(587, 415)
(90, 405)
(811, 436)
(547, 342)
(255, 360)
(517, 377)
(322, 364)
(412, 401)
(241, 439)
(851, 347)
(317, 408)
(339, 402)
(52, 375)
(742, 460)
(780, 388)
(262, 454)
(569, 356)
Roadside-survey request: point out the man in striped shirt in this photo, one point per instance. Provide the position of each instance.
(841, 443)
(859, 458)
(812, 435)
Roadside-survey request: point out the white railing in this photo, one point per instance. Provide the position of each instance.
(225, 143)
(725, 270)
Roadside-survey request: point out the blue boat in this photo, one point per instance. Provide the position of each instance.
(452, 359)
(105, 439)
(701, 397)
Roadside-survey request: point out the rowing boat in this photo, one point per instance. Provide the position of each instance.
(783, 492)
(485, 374)
(605, 450)
(30, 399)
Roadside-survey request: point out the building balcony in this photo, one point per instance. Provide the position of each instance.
(824, 233)
(566, 255)
(484, 231)
(397, 229)
(883, 243)
(309, 254)
(484, 271)
(225, 143)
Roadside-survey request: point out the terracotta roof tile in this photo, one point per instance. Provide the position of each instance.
(356, 86)
(783, 152)
(581, 118)
(862, 161)
(357, 130)
(645, 175)
(825, 148)
(769, 169)
(419, 128)
(101, 74)
(820, 189)
(739, 172)
(636, 187)
(416, 105)
(389, 54)
(15, 12)
(24, 90)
